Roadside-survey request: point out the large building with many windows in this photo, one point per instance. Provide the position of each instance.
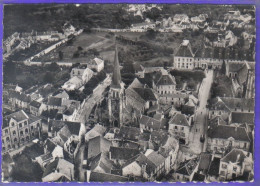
(18, 129)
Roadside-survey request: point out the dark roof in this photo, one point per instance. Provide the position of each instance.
(57, 125)
(146, 94)
(205, 160)
(35, 104)
(51, 167)
(235, 156)
(166, 80)
(151, 122)
(104, 177)
(198, 177)
(184, 51)
(98, 145)
(242, 117)
(17, 116)
(131, 133)
(50, 145)
(179, 119)
(214, 167)
(74, 127)
(33, 119)
(225, 132)
(235, 67)
(54, 101)
(102, 162)
(188, 166)
(116, 77)
(20, 96)
(120, 153)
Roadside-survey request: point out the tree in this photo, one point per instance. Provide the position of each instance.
(48, 77)
(53, 67)
(80, 48)
(60, 55)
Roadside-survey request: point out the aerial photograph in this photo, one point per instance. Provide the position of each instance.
(128, 93)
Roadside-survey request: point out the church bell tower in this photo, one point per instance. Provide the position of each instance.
(116, 95)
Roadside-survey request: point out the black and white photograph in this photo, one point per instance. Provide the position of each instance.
(128, 93)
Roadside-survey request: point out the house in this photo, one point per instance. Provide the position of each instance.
(105, 177)
(98, 145)
(180, 18)
(70, 113)
(120, 155)
(19, 129)
(204, 164)
(63, 95)
(82, 73)
(180, 125)
(184, 56)
(151, 124)
(101, 163)
(73, 83)
(98, 130)
(130, 133)
(19, 100)
(36, 108)
(55, 103)
(199, 19)
(225, 105)
(234, 164)
(213, 172)
(96, 64)
(59, 170)
(223, 137)
(242, 117)
(186, 170)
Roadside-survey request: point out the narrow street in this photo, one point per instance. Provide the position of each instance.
(199, 128)
(79, 162)
(84, 113)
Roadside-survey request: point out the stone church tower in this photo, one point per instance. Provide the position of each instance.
(116, 95)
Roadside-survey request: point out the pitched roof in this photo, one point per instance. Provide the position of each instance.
(151, 122)
(198, 177)
(179, 119)
(74, 127)
(20, 96)
(54, 101)
(50, 145)
(35, 104)
(121, 153)
(116, 77)
(187, 167)
(235, 156)
(145, 93)
(33, 118)
(235, 67)
(143, 160)
(96, 61)
(156, 158)
(17, 116)
(98, 145)
(131, 133)
(217, 120)
(104, 177)
(184, 51)
(225, 132)
(62, 94)
(242, 117)
(204, 163)
(232, 103)
(214, 167)
(102, 162)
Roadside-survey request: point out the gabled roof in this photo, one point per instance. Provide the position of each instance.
(96, 61)
(50, 145)
(184, 50)
(54, 101)
(131, 133)
(104, 177)
(121, 153)
(187, 167)
(74, 127)
(235, 156)
(146, 94)
(17, 116)
(217, 120)
(243, 103)
(156, 158)
(33, 118)
(20, 96)
(214, 167)
(235, 67)
(98, 145)
(102, 162)
(179, 119)
(35, 104)
(62, 94)
(151, 122)
(225, 132)
(242, 117)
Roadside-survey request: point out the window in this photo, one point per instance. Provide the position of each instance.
(38, 124)
(176, 127)
(26, 131)
(178, 59)
(6, 131)
(3, 148)
(12, 124)
(32, 127)
(235, 168)
(22, 139)
(3, 142)
(7, 139)
(182, 128)
(15, 139)
(245, 145)
(27, 138)
(21, 133)
(222, 173)
(20, 125)
(224, 166)
(9, 146)
(14, 132)
(25, 123)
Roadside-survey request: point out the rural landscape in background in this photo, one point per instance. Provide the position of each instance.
(128, 92)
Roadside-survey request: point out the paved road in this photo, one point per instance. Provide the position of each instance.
(200, 120)
(79, 162)
(84, 113)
